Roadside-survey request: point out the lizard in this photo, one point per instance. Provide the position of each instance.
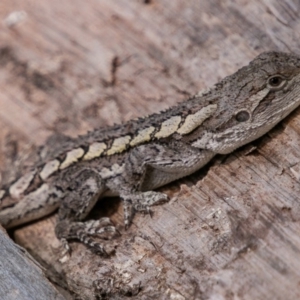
(133, 159)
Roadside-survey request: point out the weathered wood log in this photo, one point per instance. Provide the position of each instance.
(231, 230)
(21, 278)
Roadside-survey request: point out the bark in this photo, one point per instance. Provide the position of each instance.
(21, 277)
(230, 230)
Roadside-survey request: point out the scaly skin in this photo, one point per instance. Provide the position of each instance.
(132, 159)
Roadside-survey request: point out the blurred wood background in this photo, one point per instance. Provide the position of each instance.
(231, 231)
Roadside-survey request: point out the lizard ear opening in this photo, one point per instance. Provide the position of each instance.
(242, 116)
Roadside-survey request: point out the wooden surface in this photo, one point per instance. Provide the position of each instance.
(21, 277)
(231, 231)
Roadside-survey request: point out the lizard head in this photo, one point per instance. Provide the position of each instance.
(254, 100)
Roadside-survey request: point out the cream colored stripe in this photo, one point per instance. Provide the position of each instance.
(113, 171)
(143, 135)
(21, 185)
(257, 98)
(95, 150)
(2, 193)
(119, 145)
(168, 127)
(72, 157)
(193, 121)
(49, 168)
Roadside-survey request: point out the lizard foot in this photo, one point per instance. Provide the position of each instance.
(88, 233)
(140, 202)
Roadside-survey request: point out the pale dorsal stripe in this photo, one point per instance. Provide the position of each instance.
(113, 171)
(21, 185)
(72, 157)
(257, 98)
(95, 150)
(119, 145)
(195, 120)
(260, 95)
(168, 127)
(143, 135)
(49, 168)
(2, 193)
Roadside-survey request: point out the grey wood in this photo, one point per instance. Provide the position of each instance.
(20, 277)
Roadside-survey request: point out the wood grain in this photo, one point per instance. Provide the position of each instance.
(21, 277)
(231, 230)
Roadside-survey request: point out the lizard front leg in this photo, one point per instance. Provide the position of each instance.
(82, 190)
(153, 165)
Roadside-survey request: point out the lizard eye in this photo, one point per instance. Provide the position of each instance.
(276, 82)
(242, 116)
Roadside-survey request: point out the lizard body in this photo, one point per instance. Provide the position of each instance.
(132, 159)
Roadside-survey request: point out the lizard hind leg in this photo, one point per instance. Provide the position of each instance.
(82, 190)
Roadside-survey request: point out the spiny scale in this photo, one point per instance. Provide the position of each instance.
(174, 124)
